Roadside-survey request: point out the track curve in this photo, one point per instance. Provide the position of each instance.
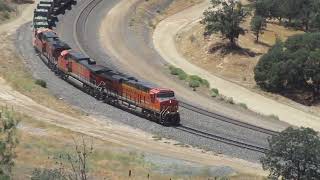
(81, 21)
(90, 105)
(80, 35)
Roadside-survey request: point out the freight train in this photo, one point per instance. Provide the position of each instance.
(103, 83)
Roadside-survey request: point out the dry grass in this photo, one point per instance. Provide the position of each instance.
(236, 66)
(41, 142)
(13, 70)
(143, 10)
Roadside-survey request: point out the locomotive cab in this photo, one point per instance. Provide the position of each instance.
(168, 105)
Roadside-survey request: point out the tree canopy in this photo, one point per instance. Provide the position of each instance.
(294, 154)
(298, 13)
(293, 65)
(225, 17)
(258, 25)
(8, 142)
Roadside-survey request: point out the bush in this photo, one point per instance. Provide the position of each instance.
(205, 83)
(195, 78)
(41, 83)
(183, 76)
(4, 7)
(230, 100)
(176, 71)
(275, 117)
(243, 105)
(194, 84)
(201, 81)
(6, 15)
(214, 92)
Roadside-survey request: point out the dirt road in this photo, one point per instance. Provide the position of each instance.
(163, 39)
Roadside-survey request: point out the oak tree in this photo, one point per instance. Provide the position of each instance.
(258, 25)
(225, 16)
(293, 154)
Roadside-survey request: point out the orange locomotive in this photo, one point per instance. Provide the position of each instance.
(115, 88)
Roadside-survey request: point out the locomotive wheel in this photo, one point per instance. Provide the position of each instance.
(97, 95)
(36, 50)
(162, 121)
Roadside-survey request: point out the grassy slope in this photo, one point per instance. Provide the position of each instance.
(40, 143)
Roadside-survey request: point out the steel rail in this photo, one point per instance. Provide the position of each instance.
(227, 119)
(222, 139)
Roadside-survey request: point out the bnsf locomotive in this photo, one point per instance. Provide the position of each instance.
(104, 84)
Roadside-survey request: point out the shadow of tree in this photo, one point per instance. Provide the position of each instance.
(263, 44)
(227, 48)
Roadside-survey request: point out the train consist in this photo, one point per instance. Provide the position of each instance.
(105, 84)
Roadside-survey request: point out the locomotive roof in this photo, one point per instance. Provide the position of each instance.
(44, 1)
(77, 55)
(41, 24)
(98, 69)
(88, 63)
(50, 34)
(43, 5)
(41, 17)
(41, 10)
(60, 44)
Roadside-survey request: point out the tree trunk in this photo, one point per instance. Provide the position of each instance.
(232, 42)
(257, 37)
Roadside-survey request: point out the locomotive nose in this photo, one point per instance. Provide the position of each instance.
(169, 102)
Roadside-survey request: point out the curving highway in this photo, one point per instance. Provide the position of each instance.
(128, 51)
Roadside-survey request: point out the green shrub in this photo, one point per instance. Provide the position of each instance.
(202, 82)
(194, 84)
(6, 15)
(230, 100)
(176, 71)
(243, 105)
(272, 116)
(214, 92)
(4, 7)
(183, 76)
(195, 78)
(205, 83)
(41, 83)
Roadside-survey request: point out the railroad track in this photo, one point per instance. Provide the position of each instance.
(81, 23)
(80, 40)
(227, 119)
(222, 139)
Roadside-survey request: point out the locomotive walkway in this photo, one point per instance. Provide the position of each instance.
(163, 39)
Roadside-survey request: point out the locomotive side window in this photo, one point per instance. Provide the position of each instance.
(165, 95)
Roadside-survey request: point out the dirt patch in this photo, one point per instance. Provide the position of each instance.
(153, 8)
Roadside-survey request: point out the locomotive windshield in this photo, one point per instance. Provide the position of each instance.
(165, 95)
